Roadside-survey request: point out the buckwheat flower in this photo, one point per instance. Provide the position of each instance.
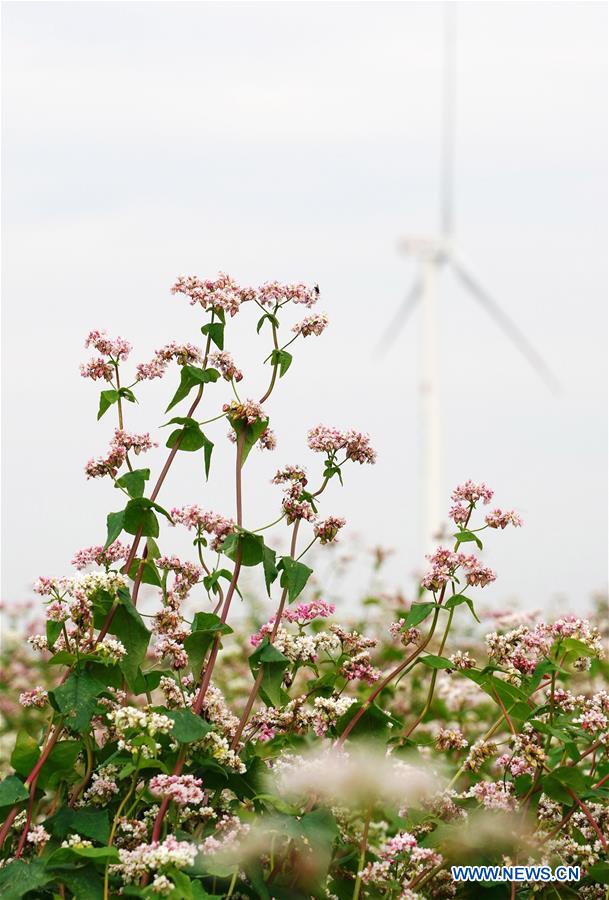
(173, 649)
(359, 668)
(117, 348)
(499, 519)
(323, 439)
(38, 836)
(327, 530)
(162, 885)
(226, 364)
(249, 412)
(267, 440)
(184, 354)
(155, 857)
(273, 292)
(290, 474)
(592, 720)
(479, 575)
(139, 443)
(222, 294)
(307, 612)
(75, 840)
(478, 754)
(111, 649)
(358, 447)
(450, 739)
(470, 492)
(37, 698)
(147, 371)
(100, 556)
(462, 660)
(297, 509)
(182, 789)
(97, 369)
(328, 711)
(49, 586)
(38, 642)
(210, 522)
(459, 514)
(314, 324)
(57, 611)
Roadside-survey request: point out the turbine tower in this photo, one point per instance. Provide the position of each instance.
(433, 255)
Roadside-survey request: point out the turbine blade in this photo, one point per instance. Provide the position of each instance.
(393, 329)
(506, 324)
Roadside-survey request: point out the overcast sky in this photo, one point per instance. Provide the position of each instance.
(300, 141)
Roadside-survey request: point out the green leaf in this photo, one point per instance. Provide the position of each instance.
(134, 482)
(249, 434)
(128, 626)
(272, 319)
(150, 573)
(270, 568)
(12, 790)
(465, 536)
(190, 376)
(127, 394)
(457, 600)
(283, 359)
(205, 627)
(250, 544)
(215, 331)
(570, 777)
(114, 523)
(374, 721)
(87, 821)
(191, 439)
(417, 613)
(53, 630)
(599, 873)
(76, 699)
(106, 399)
(294, 576)
(25, 753)
(273, 664)
(555, 790)
(138, 515)
(436, 662)
(19, 878)
(101, 855)
(187, 727)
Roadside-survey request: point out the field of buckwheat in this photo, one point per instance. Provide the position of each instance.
(191, 752)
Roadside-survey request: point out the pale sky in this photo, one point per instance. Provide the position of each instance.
(299, 141)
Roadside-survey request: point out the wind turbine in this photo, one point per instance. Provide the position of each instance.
(433, 255)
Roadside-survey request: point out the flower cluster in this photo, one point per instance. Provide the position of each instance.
(184, 354)
(323, 439)
(121, 444)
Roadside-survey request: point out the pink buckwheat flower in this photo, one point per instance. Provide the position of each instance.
(470, 492)
(182, 789)
(358, 447)
(323, 439)
(97, 369)
(272, 293)
(290, 473)
(37, 698)
(209, 522)
(222, 294)
(117, 348)
(99, 556)
(250, 411)
(314, 324)
(499, 519)
(226, 364)
(327, 530)
(267, 440)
